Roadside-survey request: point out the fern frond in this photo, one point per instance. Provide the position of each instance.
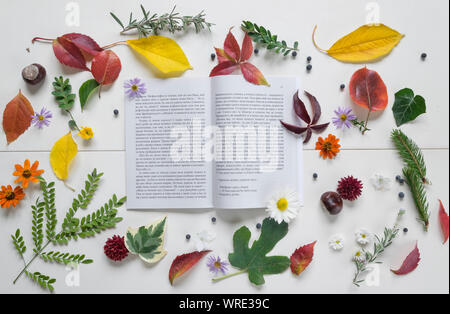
(48, 192)
(411, 154)
(19, 243)
(419, 195)
(38, 225)
(65, 258)
(44, 281)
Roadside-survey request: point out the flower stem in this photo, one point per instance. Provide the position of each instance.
(230, 275)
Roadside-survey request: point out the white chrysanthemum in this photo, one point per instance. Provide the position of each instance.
(363, 237)
(284, 206)
(336, 243)
(359, 256)
(380, 182)
(203, 239)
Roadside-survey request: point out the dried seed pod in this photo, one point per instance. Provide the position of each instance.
(34, 74)
(332, 202)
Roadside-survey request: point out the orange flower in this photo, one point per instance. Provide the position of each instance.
(9, 197)
(328, 147)
(27, 174)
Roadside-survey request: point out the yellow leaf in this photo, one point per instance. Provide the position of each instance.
(367, 43)
(164, 53)
(62, 154)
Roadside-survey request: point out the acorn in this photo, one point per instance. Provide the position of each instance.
(332, 202)
(34, 74)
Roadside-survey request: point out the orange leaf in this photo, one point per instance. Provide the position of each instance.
(17, 117)
(368, 90)
(253, 75)
(183, 263)
(106, 67)
(301, 258)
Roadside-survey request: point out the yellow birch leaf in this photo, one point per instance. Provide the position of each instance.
(164, 53)
(367, 43)
(62, 154)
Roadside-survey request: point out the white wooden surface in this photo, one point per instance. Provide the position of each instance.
(425, 24)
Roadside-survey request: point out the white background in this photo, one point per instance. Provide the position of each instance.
(425, 24)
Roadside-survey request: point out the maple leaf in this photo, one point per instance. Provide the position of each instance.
(302, 113)
(232, 58)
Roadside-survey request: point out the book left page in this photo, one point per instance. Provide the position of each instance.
(165, 165)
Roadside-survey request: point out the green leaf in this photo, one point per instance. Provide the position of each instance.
(254, 259)
(86, 90)
(148, 241)
(407, 107)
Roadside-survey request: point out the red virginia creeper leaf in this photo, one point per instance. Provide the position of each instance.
(247, 48)
(293, 128)
(106, 67)
(17, 117)
(410, 264)
(368, 90)
(69, 54)
(320, 127)
(84, 43)
(300, 109)
(222, 56)
(317, 111)
(301, 258)
(183, 263)
(232, 48)
(443, 218)
(224, 68)
(252, 74)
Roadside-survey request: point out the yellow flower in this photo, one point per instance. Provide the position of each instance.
(86, 133)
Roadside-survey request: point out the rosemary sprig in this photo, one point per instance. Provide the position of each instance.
(361, 125)
(263, 36)
(171, 22)
(380, 246)
(419, 195)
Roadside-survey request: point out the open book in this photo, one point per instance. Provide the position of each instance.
(210, 143)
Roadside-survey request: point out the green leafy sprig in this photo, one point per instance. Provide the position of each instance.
(44, 214)
(419, 195)
(172, 22)
(263, 36)
(361, 125)
(380, 245)
(62, 90)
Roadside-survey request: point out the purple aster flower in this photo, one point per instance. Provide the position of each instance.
(42, 118)
(344, 118)
(215, 265)
(135, 88)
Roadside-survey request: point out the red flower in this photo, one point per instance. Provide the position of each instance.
(115, 248)
(350, 188)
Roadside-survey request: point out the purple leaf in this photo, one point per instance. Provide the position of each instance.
(293, 128)
(317, 112)
(320, 127)
(300, 109)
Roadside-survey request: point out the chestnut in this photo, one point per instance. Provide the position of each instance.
(34, 73)
(332, 202)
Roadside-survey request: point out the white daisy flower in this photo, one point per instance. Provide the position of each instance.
(202, 240)
(381, 183)
(363, 237)
(336, 243)
(359, 256)
(284, 206)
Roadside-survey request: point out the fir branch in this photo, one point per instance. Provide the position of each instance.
(411, 154)
(380, 245)
(419, 195)
(38, 225)
(171, 22)
(19, 243)
(65, 258)
(263, 36)
(44, 281)
(48, 192)
(62, 90)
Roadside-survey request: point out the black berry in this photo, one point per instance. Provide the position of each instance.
(213, 56)
(256, 51)
(188, 236)
(258, 226)
(342, 86)
(315, 176)
(405, 230)
(294, 54)
(424, 56)
(214, 219)
(309, 67)
(401, 181)
(309, 59)
(116, 112)
(398, 178)
(401, 195)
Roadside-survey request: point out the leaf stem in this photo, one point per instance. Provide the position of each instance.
(314, 40)
(114, 44)
(42, 39)
(229, 276)
(30, 262)
(366, 122)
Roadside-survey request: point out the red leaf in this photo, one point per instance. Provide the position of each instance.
(443, 218)
(317, 111)
(17, 117)
(320, 127)
(232, 48)
(106, 67)
(222, 56)
(247, 48)
(253, 75)
(300, 109)
(410, 264)
(69, 54)
(301, 258)
(293, 128)
(84, 43)
(183, 263)
(224, 68)
(368, 90)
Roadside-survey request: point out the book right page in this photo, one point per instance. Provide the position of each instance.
(254, 155)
